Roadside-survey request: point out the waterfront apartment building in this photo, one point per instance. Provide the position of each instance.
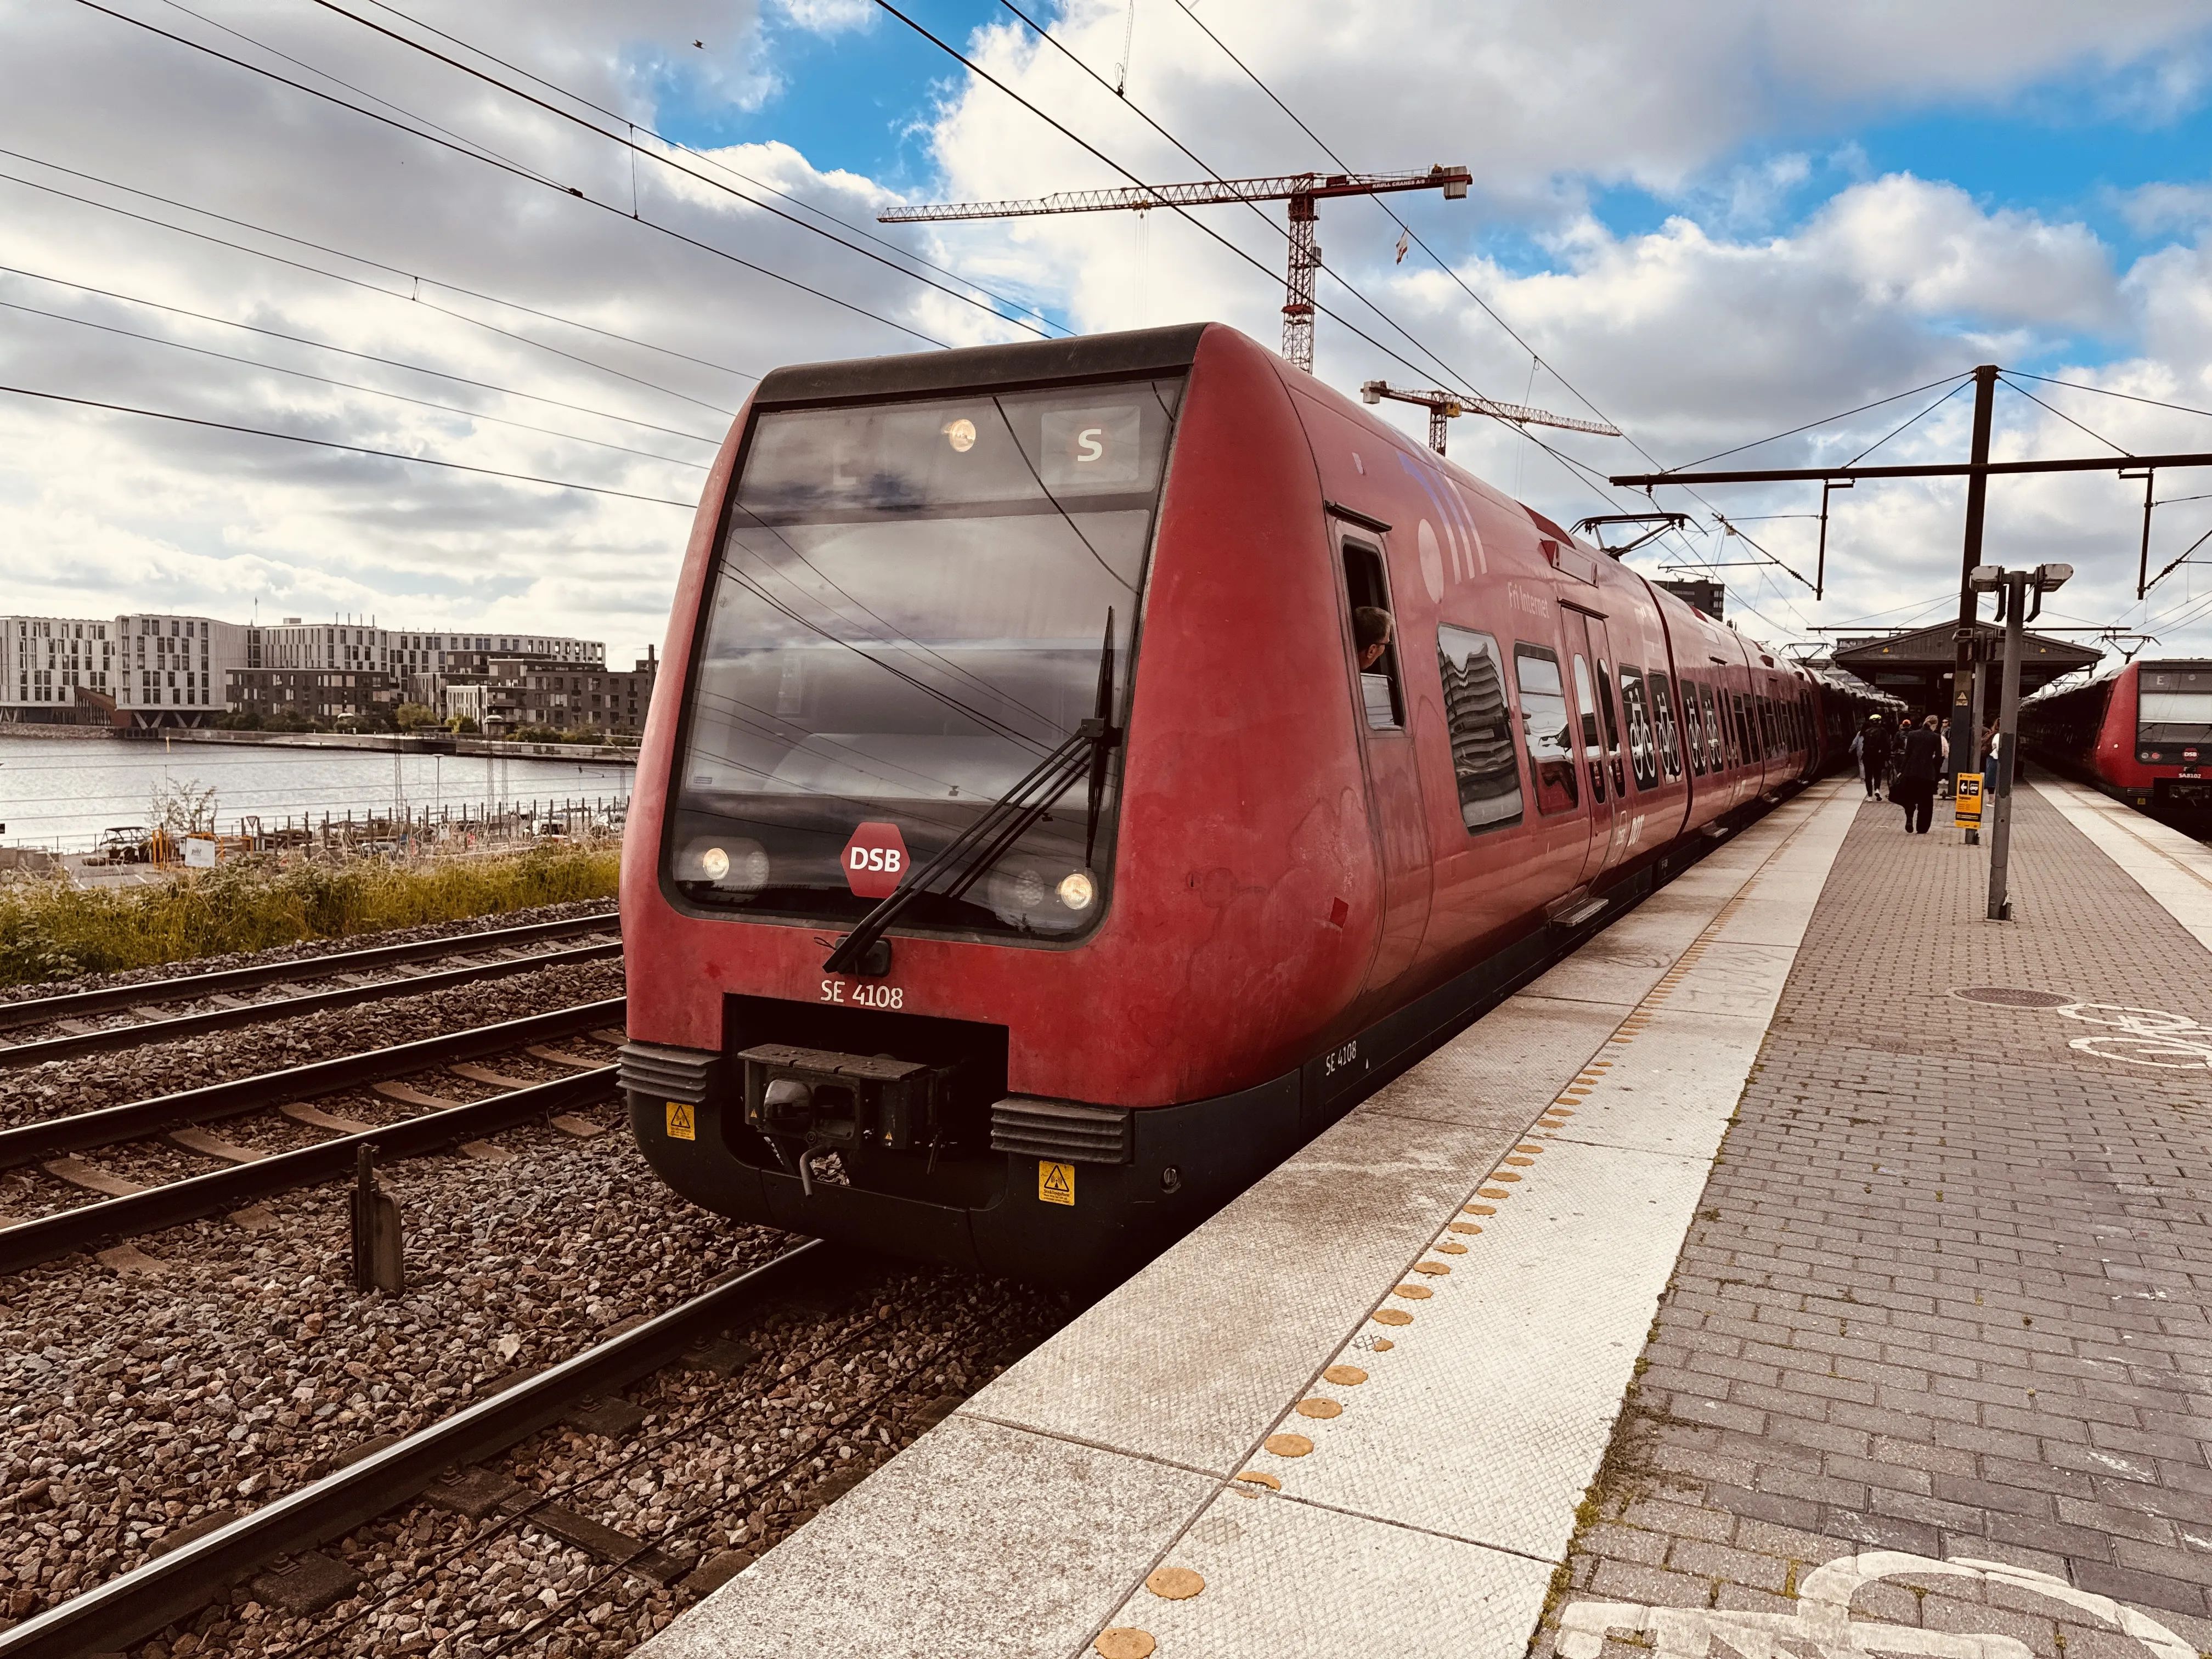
(151, 670)
(57, 671)
(174, 670)
(570, 698)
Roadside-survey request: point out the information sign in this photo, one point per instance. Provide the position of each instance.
(1967, 806)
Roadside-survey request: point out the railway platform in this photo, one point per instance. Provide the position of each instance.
(1807, 1263)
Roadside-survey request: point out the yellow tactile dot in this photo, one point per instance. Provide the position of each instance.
(1493, 1192)
(1431, 1268)
(1478, 1209)
(1413, 1292)
(1173, 1584)
(1288, 1445)
(1531, 1147)
(1560, 1111)
(1383, 1344)
(1259, 1480)
(1124, 1642)
(1503, 1175)
(1319, 1407)
(1449, 1247)
(1465, 1227)
(1521, 1163)
(1345, 1376)
(1392, 1316)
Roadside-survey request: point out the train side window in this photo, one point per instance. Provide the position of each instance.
(1481, 725)
(1643, 731)
(1546, 728)
(1716, 746)
(1380, 690)
(1693, 725)
(1662, 719)
(1746, 753)
(1593, 747)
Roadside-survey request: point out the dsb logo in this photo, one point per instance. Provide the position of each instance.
(874, 859)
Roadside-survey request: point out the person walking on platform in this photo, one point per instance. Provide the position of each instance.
(1917, 768)
(1871, 747)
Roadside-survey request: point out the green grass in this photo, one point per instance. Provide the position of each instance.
(50, 930)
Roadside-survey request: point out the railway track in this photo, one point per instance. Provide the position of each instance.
(173, 1585)
(69, 1012)
(129, 1213)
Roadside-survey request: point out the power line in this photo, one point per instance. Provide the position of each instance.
(347, 385)
(365, 357)
(2107, 391)
(2063, 416)
(636, 126)
(1535, 356)
(356, 449)
(510, 168)
(1441, 264)
(636, 148)
(414, 299)
(1437, 362)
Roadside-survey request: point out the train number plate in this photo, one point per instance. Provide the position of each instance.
(1055, 1182)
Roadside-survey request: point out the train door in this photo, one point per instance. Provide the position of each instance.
(1583, 632)
(1394, 780)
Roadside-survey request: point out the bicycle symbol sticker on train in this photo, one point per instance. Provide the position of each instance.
(682, 1125)
(1055, 1182)
(1822, 1622)
(2142, 1036)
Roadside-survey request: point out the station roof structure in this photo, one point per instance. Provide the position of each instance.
(1917, 664)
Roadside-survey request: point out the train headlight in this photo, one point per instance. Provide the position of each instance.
(961, 434)
(715, 863)
(1029, 889)
(1077, 889)
(733, 866)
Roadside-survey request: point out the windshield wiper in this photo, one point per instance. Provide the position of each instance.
(984, 842)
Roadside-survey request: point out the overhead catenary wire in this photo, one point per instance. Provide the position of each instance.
(1601, 487)
(1436, 362)
(331, 443)
(458, 148)
(415, 277)
(348, 386)
(348, 351)
(636, 126)
(335, 277)
(631, 144)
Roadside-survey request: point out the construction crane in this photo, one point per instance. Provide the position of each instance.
(1442, 406)
(1301, 190)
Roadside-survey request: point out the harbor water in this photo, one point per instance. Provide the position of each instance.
(63, 793)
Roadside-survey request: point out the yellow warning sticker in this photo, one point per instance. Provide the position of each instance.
(1055, 1182)
(682, 1125)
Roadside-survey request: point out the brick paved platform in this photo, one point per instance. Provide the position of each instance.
(1945, 1300)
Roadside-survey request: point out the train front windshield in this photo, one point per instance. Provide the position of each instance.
(910, 612)
(2174, 706)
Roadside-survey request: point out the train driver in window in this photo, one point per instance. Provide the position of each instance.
(1370, 632)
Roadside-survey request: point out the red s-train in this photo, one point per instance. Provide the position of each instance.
(2143, 735)
(1263, 876)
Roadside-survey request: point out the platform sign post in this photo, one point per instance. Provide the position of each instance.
(1966, 805)
(2013, 587)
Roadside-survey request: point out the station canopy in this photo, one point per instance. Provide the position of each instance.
(1917, 664)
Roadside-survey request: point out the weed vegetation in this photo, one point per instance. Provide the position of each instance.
(50, 930)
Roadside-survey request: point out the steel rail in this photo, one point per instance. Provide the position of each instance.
(127, 1608)
(71, 1004)
(44, 1237)
(28, 1143)
(257, 1013)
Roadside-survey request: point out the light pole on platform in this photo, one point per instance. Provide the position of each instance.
(2012, 587)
